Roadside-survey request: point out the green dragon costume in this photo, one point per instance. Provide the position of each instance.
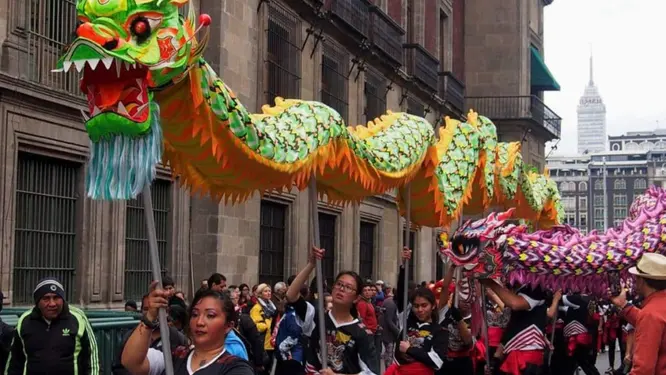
(152, 98)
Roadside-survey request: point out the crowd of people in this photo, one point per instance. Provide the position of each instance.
(368, 328)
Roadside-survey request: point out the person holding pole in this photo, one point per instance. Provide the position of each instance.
(426, 341)
(524, 339)
(212, 317)
(349, 348)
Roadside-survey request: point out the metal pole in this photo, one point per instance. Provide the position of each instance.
(314, 222)
(456, 296)
(605, 196)
(157, 275)
(486, 341)
(405, 293)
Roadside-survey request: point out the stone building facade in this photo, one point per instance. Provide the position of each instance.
(361, 57)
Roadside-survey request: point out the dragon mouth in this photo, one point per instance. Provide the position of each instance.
(113, 86)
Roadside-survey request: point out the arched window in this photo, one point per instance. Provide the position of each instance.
(582, 186)
(646, 146)
(661, 145)
(564, 186)
(631, 146)
(620, 184)
(598, 185)
(640, 184)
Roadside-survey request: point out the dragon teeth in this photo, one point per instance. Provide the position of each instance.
(93, 63)
(108, 61)
(96, 111)
(122, 110)
(67, 65)
(119, 67)
(85, 116)
(79, 65)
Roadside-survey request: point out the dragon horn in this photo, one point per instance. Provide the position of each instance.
(507, 214)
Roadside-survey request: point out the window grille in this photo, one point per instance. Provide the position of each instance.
(46, 224)
(620, 200)
(367, 250)
(598, 213)
(375, 95)
(334, 82)
(640, 184)
(283, 61)
(583, 220)
(272, 233)
(327, 241)
(599, 224)
(138, 271)
(598, 185)
(412, 247)
(620, 184)
(415, 107)
(49, 28)
(619, 213)
(582, 203)
(598, 201)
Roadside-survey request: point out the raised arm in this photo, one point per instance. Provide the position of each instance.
(511, 300)
(400, 286)
(135, 353)
(294, 291)
(553, 308)
(444, 296)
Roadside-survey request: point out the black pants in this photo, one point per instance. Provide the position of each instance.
(611, 350)
(583, 357)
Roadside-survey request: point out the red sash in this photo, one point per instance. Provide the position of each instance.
(414, 368)
(517, 360)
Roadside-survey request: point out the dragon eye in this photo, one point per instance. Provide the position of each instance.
(141, 28)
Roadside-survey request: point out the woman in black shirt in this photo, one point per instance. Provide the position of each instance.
(426, 344)
(349, 348)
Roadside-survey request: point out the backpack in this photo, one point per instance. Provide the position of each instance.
(289, 342)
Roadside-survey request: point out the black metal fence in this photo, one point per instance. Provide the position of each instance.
(517, 108)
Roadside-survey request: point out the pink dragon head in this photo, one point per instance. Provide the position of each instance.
(474, 244)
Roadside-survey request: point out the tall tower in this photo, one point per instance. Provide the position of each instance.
(591, 118)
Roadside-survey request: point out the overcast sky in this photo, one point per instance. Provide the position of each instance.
(629, 62)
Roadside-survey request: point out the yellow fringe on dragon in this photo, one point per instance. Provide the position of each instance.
(152, 97)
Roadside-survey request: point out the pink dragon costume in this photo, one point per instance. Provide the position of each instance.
(560, 257)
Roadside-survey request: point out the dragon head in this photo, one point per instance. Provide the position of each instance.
(474, 245)
(125, 48)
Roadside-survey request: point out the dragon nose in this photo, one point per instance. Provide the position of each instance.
(88, 31)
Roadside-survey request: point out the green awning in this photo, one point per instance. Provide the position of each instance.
(541, 78)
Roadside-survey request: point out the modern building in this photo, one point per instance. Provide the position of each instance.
(505, 72)
(573, 180)
(639, 141)
(591, 118)
(360, 57)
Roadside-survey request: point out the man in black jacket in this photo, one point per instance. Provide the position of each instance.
(53, 337)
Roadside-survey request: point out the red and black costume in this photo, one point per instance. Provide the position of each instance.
(524, 339)
(579, 331)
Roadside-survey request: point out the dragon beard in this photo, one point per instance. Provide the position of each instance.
(121, 166)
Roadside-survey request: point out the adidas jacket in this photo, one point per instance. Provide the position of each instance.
(65, 346)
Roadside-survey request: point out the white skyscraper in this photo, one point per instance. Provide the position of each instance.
(591, 119)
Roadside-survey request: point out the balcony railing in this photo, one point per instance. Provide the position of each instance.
(517, 108)
(386, 35)
(452, 90)
(422, 65)
(355, 14)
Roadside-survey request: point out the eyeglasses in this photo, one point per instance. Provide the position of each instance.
(344, 287)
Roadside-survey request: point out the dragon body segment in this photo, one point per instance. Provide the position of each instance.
(560, 257)
(152, 98)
